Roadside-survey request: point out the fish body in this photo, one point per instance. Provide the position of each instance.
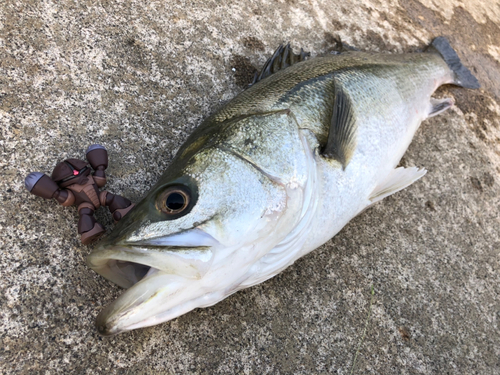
(275, 173)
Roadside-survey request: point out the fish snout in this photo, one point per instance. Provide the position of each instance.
(102, 325)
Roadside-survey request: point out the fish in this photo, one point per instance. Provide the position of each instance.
(270, 176)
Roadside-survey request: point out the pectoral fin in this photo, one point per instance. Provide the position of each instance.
(342, 136)
(397, 180)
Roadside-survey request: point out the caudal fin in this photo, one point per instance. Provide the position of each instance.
(463, 76)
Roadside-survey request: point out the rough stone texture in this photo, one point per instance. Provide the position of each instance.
(138, 77)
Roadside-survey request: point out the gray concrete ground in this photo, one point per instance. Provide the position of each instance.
(138, 77)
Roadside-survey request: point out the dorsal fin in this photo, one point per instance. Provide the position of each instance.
(282, 58)
(341, 46)
(342, 135)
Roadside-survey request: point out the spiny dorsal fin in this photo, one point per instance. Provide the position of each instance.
(282, 58)
(342, 136)
(341, 46)
(397, 180)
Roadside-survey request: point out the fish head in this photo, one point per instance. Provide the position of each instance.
(190, 241)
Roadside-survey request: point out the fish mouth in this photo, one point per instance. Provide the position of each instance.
(162, 277)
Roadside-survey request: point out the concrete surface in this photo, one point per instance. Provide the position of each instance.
(138, 77)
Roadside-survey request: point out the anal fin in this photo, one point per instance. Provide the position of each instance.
(342, 135)
(440, 105)
(397, 180)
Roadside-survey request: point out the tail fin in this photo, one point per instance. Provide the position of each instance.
(463, 76)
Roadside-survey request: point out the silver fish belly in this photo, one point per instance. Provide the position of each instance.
(271, 176)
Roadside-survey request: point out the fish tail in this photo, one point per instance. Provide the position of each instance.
(463, 76)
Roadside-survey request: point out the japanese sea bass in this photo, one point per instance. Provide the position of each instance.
(275, 173)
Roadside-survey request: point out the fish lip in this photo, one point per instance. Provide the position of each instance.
(191, 238)
(103, 327)
(108, 324)
(126, 265)
(142, 305)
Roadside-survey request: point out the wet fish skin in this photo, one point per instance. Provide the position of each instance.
(264, 192)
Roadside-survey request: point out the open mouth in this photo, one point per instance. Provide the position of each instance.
(152, 271)
(186, 254)
(133, 272)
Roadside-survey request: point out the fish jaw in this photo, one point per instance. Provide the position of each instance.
(163, 281)
(161, 295)
(162, 275)
(158, 297)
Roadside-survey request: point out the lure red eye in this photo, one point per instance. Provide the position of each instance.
(75, 173)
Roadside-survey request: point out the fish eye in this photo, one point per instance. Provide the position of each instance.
(174, 200)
